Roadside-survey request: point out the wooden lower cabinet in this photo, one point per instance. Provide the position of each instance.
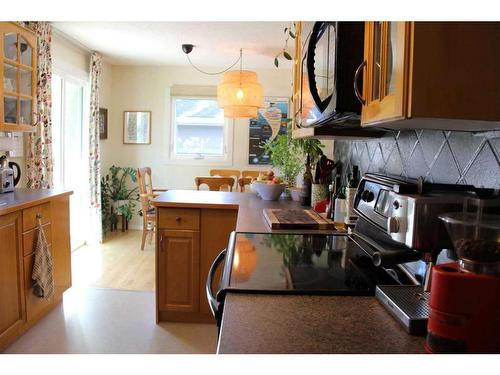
(19, 307)
(12, 311)
(183, 259)
(179, 260)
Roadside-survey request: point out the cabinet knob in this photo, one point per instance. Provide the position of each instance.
(178, 219)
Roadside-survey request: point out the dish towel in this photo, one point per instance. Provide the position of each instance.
(42, 273)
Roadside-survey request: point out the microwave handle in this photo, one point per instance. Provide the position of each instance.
(356, 78)
(316, 33)
(212, 301)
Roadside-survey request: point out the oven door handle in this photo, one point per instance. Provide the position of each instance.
(212, 301)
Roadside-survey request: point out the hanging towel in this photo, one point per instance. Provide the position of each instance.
(42, 273)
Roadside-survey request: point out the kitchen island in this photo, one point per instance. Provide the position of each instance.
(194, 227)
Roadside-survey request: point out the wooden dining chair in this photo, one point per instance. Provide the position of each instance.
(243, 182)
(214, 183)
(252, 174)
(146, 194)
(235, 173)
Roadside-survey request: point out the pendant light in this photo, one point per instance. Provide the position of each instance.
(239, 94)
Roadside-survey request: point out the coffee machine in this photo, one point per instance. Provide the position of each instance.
(8, 177)
(399, 226)
(464, 314)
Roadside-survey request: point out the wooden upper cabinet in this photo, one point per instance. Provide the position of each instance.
(439, 75)
(12, 311)
(18, 69)
(385, 69)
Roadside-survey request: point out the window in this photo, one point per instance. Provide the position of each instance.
(199, 131)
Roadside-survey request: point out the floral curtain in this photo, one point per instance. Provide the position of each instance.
(39, 161)
(94, 151)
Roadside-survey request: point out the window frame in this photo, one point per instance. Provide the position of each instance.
(225, 160)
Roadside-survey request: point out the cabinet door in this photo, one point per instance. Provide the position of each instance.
(179, 270)
(12, 311)
(386, 83)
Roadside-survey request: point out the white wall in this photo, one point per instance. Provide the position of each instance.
(147, 88)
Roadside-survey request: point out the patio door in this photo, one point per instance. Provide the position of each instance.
(70, 148)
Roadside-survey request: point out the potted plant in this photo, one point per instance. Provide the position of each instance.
(116, 197)
(286, 156)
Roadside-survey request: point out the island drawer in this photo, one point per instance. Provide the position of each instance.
(30, 216)
(179, 218)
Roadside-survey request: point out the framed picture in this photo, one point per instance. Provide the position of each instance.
(103, 123)
(137, 127)
(271, 121)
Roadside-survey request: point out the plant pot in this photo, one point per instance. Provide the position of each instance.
(319, 192)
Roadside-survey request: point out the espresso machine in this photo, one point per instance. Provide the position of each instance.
(399, 227)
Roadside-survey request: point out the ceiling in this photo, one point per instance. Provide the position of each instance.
(217, 44)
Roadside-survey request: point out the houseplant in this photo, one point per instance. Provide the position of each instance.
(286, 156)
(116, 196)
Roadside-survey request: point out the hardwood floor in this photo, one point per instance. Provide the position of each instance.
(118, 263)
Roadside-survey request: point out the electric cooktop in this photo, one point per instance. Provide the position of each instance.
(299, 264)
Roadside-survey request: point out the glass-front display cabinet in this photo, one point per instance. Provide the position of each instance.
(386, 50)
(19, 76)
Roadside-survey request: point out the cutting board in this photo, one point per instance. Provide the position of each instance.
(295, 219)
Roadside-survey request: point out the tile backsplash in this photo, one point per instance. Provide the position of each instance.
(438, 156)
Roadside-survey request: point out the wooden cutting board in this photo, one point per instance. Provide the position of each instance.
(295, 219)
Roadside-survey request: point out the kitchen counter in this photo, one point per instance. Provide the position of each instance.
(281, 324)
(249, 206)
(259, 323)
(24, 198)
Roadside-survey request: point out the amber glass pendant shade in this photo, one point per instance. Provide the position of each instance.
(240, 94)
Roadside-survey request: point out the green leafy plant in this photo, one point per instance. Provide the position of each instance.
(290, 33)
(114, 188)
(312, 149)
(286, 156)
(291, 155)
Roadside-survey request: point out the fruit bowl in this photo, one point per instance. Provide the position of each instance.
(269, 192)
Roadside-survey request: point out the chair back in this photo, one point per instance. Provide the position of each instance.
(226, 173)
(243, 181)
(214, 183)
(145, 188)
(252, 174)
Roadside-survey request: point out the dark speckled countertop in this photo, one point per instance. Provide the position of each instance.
(280, 324)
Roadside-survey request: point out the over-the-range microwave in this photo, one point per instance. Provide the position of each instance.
(332, 51)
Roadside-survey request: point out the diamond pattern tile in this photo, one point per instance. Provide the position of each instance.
(446, 157)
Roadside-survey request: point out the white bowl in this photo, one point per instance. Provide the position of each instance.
(270, 192)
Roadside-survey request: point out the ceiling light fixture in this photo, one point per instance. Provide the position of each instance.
(240, 94)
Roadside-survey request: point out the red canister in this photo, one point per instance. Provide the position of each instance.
(464, 311)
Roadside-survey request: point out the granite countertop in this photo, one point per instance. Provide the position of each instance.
(260, 323)
(249, 206)
(24, 198)
(291, 324)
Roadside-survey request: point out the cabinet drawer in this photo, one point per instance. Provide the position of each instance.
(179, 218)
(30, 216)
(29, 238)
